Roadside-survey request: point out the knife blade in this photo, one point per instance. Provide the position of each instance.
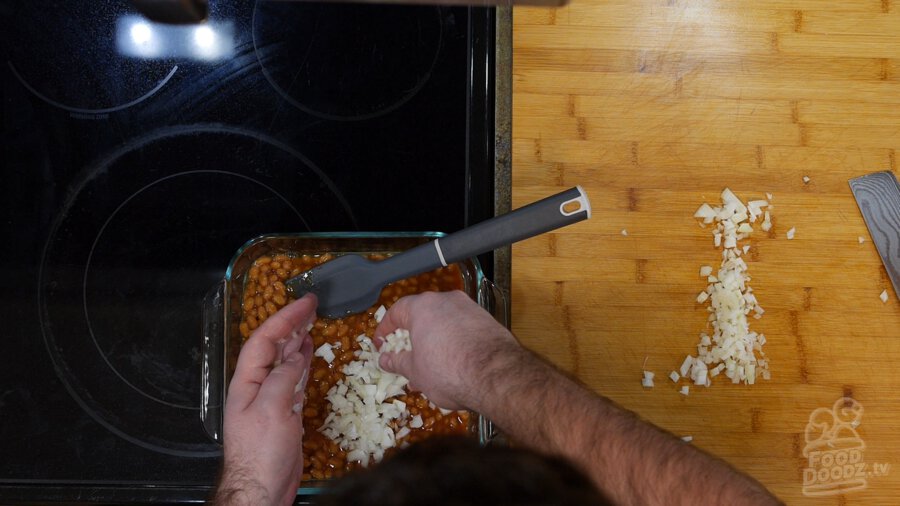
(878, 198)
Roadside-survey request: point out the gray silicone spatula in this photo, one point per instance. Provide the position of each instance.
(351, 284)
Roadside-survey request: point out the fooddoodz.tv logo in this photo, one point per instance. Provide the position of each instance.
(834, 451)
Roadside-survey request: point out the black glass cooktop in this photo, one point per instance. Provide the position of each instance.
(137, 158)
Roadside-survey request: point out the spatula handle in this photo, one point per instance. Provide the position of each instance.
(570, 206)
(566, 208)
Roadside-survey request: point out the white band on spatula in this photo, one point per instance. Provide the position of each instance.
(440, 253)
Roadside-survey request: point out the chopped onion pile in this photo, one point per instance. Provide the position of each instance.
(732, 347)
(365, 419)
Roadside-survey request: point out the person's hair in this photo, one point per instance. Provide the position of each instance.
(445, 471)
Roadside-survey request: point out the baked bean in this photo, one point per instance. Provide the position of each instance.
(265, 293)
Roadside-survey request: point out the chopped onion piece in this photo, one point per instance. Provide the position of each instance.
(706, 270)
(805, 179)
(861, 239)
(647, 381)
(624, 232)
(686, 365)
(379, 313)
(790, 233)
(884, 296)
(706, 213)
(687, 439)
(674, 376)
(325, 352)
(685, 390)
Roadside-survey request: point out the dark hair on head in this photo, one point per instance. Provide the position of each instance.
(445, 471)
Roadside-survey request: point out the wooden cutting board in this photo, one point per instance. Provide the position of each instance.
(655, 106)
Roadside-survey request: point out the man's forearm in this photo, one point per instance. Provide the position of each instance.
(237, 487)
(630, 460)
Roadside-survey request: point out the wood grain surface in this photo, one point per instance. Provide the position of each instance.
(655, 106)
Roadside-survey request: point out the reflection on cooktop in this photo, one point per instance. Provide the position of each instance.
(346, 61)
(78, 70)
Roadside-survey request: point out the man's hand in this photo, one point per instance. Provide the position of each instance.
(263, 425)
(462, 358)
(455, 344)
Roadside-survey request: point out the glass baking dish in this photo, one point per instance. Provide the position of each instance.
(222, 310)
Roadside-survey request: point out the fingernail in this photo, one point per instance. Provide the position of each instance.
(294, 357)
(310, 322)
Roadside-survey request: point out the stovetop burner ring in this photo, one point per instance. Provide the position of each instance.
(81, 110)
(347, 79)
(144, 342)
(87, 270)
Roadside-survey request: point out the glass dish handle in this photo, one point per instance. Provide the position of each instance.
(212, 355)
(494, 299)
